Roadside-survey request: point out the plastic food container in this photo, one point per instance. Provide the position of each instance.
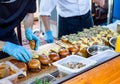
(47, 77)
(5, 82)
(14, 77)
(74, 58)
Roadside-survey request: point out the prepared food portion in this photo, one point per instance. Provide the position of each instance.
(73, 65)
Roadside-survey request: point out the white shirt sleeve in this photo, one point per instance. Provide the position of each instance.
(46, 7)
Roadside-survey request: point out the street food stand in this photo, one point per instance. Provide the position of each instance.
(105, 70)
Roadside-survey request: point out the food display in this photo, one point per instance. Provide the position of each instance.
(88, 37)
(68, 56)
(95, 35)
(21, 65)
(34, 65)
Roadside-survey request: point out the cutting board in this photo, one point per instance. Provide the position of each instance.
(45, 69)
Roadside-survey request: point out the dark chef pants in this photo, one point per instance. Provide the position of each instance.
(11, 37)
(74, 24)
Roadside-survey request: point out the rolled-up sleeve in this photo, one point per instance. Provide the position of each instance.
(46, 7)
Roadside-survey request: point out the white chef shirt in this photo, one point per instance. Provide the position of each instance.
(65, 8)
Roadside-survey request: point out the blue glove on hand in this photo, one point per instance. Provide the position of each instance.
(16, 51)
(30, 36)
(48, 37)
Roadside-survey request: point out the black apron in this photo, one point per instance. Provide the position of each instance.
(9, 19)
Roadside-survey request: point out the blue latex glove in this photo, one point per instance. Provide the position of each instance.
(16, 51)
(30, 36)
(48, 36)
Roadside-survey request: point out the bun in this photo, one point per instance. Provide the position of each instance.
(34, 65)
(73, 48)
(63, 52)
(20, 65)
(2, 71)
(32, 44)
(54, 56)
(44, 59)
(6, 70)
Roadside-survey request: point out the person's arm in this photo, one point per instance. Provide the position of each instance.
(28, 20)
(1, 45)
(28, 24)
(46, 22)
(16, 51)
(44, 13)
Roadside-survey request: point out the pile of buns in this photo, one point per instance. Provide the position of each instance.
(6, 70)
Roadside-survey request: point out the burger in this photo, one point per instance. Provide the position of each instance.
(2, 71)
(54, 56)
(34, 65)
(32, 44)
(73, 49)
(21, 65)
(63, 52)
(45, 60)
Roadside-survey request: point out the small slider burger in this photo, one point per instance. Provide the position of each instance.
(32, 44)
(34, 65)
(45, 60)
(20, 65)
(63, 52)
(73, 49)
(54, 56)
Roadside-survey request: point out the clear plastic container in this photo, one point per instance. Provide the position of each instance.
(5, 82)
(14, 77)
(73, 58)
(47, 77)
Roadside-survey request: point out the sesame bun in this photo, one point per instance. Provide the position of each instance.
(54, 56)
(19, 64)
(44, 59)
(34, 65)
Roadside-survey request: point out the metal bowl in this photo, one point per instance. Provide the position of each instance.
(112, 41)
(95, 49)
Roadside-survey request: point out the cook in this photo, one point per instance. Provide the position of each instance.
(74, 15)
(12, 13)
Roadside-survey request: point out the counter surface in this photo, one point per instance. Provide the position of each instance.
(106, 73)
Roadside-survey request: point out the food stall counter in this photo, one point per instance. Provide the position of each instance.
(106, 73)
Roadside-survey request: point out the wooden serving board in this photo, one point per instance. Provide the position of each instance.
(45, 69)
(45, 48)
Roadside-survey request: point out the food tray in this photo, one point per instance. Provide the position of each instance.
(13, 76)
(73, 58)
(47, 77)
(102, 57)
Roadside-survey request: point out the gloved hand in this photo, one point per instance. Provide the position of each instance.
(16, 51)
(30, 36)
(48, 36)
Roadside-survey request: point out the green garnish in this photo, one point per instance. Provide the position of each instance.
(79, 33)
(37, 81)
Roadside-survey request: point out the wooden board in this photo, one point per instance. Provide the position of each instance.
(45, 69)
(45, 48)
